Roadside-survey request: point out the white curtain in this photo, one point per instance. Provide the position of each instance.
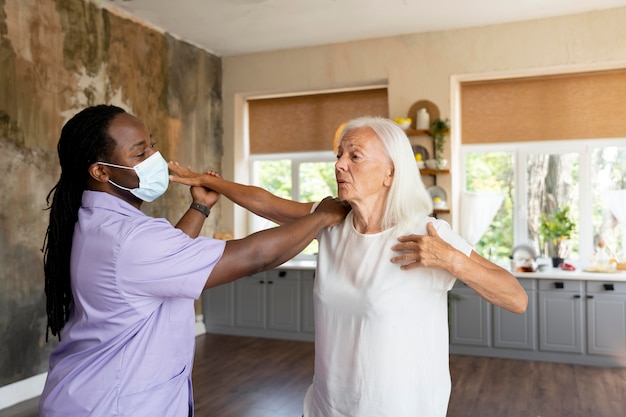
(477, 212)
(617, 203)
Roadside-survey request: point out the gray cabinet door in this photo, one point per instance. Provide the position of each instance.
(561, 316)
(606, 318)
(517, 331)
(283, 293)
(250, 301)
(470, 321)
(217, 306)
(307, 282)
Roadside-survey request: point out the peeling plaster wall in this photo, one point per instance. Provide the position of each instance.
(57, 57)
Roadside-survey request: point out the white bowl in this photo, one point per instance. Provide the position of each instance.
(405, 125)
(434, 164)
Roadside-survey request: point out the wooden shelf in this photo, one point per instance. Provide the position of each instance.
(426, 171)
(440, 211)
(415, 132)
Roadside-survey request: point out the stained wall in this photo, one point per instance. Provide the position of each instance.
(57, 57)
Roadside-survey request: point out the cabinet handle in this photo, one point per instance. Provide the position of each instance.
(270, 282)
(589, 296)
(609, 287)
(261, 281)
(577, 296)
(559, 285)
(282, 274)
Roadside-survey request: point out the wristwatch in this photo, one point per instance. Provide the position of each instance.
(202, 209)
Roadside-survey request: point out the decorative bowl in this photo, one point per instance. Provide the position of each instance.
(434, 164)
(403, 122)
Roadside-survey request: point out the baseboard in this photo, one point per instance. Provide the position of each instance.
(200, 326)
(32, 387)
(21, 391)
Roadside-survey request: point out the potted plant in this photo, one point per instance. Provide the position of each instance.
(439, 129)
(556, 230)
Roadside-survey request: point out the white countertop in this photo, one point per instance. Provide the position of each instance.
(578, 274)
(553, 273)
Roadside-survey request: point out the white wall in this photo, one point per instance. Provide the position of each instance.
(415, 67)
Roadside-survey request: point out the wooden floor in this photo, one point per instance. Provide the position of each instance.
(251, 377)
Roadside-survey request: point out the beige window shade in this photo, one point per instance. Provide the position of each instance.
(569, 106)
(308, 123)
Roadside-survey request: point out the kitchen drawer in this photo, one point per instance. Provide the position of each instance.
(560, 285)
(606, 287)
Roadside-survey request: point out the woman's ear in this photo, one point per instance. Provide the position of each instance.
(98, 172)
(389, 178)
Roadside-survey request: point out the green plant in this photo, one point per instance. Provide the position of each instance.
(556, 229)
(439, 129)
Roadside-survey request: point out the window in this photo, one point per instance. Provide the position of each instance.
(306, 176)
(536, 178)
(291, 143)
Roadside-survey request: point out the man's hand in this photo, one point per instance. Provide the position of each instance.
(335, 208)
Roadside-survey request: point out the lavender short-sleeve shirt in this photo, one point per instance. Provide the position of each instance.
(127, 349)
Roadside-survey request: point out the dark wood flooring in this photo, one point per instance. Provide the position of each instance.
(252, 377)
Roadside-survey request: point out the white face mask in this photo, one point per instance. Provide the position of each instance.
(153, 177)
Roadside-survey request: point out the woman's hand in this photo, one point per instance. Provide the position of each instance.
(425, 251)
(201, 192)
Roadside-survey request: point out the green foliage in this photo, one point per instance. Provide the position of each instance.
(438, 131)
(275, 177)
(493, 171)
(556, 229)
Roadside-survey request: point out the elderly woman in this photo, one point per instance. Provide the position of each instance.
(380, 297)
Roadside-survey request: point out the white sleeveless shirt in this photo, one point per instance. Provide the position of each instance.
(381, 334)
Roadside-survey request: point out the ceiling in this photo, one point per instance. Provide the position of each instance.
(233, 27)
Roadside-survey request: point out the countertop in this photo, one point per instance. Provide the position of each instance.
(553, 273)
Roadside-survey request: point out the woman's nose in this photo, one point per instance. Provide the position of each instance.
(340, 165)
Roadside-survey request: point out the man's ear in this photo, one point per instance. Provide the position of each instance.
(98, 172)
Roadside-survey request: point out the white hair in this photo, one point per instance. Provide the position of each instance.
(408, 198)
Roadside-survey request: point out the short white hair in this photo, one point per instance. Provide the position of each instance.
(408, 198)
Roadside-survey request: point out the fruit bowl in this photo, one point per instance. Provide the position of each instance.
(403, 122)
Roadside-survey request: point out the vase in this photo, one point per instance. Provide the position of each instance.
(557, 261)
(423, 119)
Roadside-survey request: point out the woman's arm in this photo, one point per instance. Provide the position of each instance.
(491, 282)
(255, 199)
(269, 248)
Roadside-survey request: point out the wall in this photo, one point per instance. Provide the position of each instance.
(56, 57)
(415, 67)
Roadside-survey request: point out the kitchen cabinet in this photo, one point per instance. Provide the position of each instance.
(307, 282)
(517, 331)
(469, 317)
(276, 303)
(567, 320)
(218, 306)
(268, 300)
(561, 316)
(606, 318)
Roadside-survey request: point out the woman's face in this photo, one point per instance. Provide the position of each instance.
(363, 170)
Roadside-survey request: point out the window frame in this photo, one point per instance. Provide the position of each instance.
(297, 159)
(520, 152)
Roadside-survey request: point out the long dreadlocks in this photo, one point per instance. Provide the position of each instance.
(84, 140)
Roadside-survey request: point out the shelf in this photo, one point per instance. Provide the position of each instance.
(415, 132)
(426, 171)
(441, 211)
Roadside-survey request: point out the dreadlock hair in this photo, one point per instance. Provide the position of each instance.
(84, 140)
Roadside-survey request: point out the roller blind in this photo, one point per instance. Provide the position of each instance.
(559, 107)
(308, 123)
